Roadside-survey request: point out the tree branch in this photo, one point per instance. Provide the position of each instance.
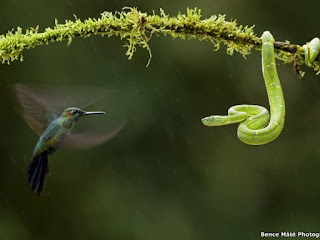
(138, 27)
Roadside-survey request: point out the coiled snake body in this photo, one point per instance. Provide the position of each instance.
(256, 126)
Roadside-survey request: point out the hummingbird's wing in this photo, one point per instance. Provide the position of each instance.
(88, 140)
(34, 111)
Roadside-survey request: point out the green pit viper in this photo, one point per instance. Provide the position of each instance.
(256, 126)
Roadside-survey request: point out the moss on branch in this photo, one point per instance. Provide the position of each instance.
(137, 28)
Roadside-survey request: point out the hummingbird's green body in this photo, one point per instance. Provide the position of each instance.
(53, 132)
(58, 130)
(50, 140)
(52, 137)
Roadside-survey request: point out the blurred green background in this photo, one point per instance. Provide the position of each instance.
(165, 175)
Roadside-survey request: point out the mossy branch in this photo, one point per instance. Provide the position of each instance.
(138, 27)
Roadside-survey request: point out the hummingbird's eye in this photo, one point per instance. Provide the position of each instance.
(74, 111)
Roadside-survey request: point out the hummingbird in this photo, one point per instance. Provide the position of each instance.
(54, 131)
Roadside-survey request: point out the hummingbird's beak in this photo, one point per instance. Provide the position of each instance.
(97, 112)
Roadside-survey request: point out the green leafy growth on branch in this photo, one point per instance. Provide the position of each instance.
(138, 28)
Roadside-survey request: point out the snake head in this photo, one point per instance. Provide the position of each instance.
(215, 120)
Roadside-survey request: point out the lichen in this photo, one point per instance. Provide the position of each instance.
(137, 28)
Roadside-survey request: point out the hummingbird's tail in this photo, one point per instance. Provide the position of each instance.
(37, 172)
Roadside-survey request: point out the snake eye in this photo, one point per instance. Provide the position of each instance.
(74, 111)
